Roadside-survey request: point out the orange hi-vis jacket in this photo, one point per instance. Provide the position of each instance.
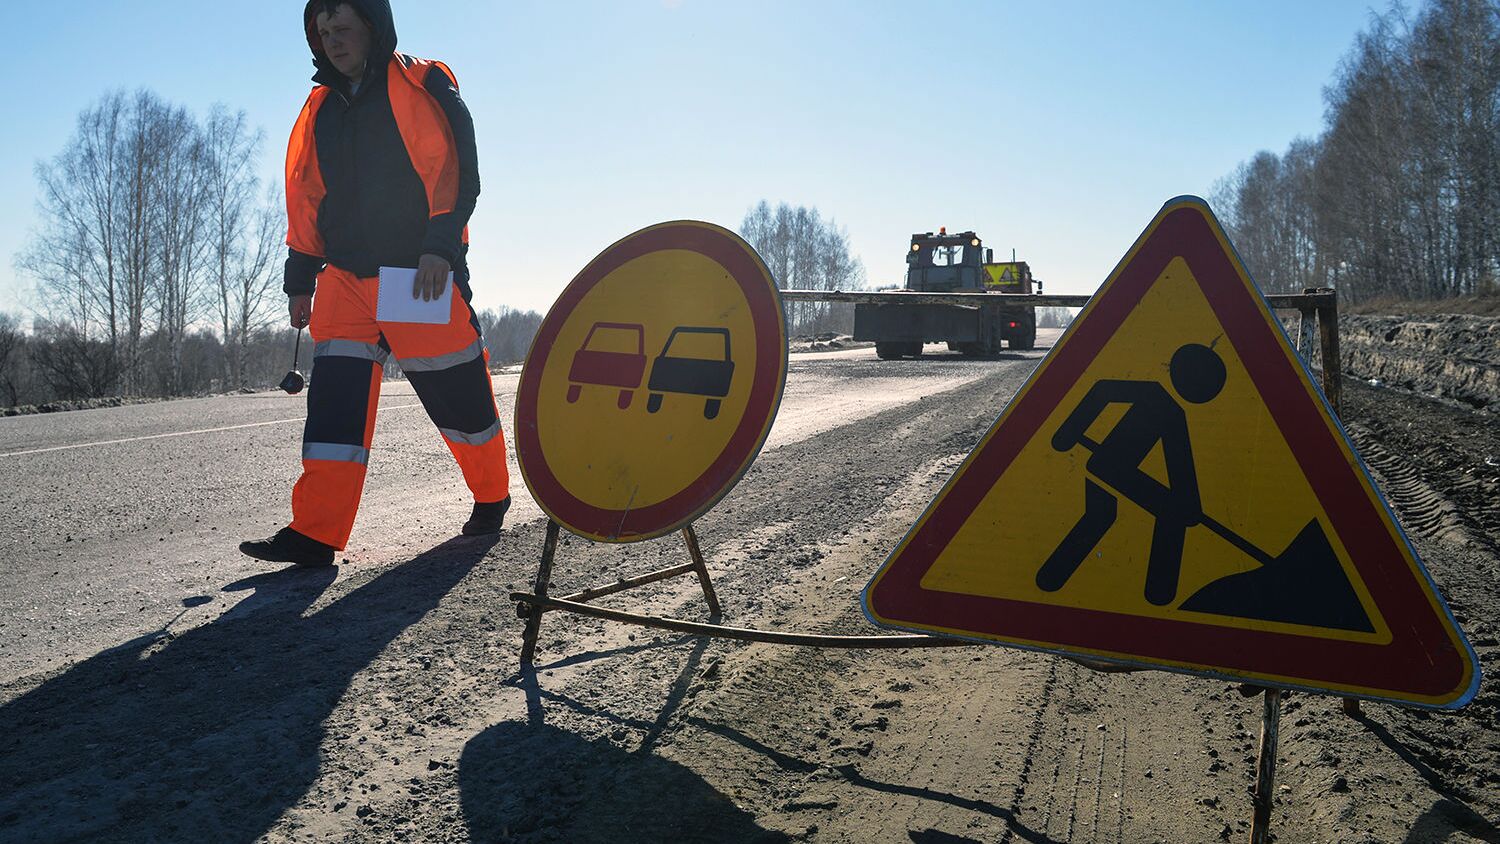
(379, 176)
(389, 196)
(424, 129)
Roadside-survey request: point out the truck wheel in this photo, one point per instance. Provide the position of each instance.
(913, 349)
(653, 403)
(710, 408)
(1027, 340)
(887, 351)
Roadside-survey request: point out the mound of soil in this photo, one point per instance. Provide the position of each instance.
(1450, 356)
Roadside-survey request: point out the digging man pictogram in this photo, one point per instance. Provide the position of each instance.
(1197, 374)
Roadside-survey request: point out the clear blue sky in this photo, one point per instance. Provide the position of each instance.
(1054, 128)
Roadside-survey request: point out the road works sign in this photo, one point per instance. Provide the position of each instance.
(1170, 490)
(651, 383)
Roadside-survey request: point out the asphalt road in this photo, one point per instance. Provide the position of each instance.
(157, 686)
(124, 521)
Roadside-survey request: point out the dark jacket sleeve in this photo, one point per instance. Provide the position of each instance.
(445, 231)
(301, 273)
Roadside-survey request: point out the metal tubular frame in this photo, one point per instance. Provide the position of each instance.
(1319, 316)
(743, 634)
(531, 606)
(1314, 297)
(1265, 767)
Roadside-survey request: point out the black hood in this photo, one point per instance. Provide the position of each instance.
(377, 13)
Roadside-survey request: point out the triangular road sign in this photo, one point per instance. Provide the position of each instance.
(1170, 490)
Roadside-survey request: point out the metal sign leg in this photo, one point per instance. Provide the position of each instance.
(1333, 372)
(1265, 769)
(532, 612)
(701, 569)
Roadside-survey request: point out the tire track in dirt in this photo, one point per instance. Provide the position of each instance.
(1033, 743)
(1395, 771)
(1422, 508)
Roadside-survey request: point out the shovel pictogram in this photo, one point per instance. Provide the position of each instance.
(1304, 584)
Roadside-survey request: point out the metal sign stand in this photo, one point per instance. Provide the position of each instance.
(532, 606)
(1265, 767)
(1318, 328)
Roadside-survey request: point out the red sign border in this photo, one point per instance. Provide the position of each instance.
(698, 497)
(1425, 661)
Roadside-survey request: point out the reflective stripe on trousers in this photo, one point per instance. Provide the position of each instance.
(446, 366)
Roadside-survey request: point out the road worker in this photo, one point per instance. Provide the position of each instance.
(381, 171)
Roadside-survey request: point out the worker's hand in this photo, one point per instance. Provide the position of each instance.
(432, 278)
(300, 308)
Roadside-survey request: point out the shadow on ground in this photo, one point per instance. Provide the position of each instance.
(211, 735)
(573, 788)
(585, 790)
(1451, 815)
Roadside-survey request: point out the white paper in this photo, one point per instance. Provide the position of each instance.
(394, 302)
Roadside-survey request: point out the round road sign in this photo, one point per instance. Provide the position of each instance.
(652, 382)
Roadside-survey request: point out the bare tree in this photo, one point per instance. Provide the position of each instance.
(805, 252)
(12, 347)
(1400, 196)
(243, 238)
(72, 365)
(508, 333)
(152, 222)
(1267, 205)
(139, 173)
(179, 228)
(75, 254)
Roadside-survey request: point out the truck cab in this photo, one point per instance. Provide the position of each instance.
(952, 263)
(946, 263)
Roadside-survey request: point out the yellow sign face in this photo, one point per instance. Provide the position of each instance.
(1002, 275)
(652, 382)
(1169, 489)
(1244, 472)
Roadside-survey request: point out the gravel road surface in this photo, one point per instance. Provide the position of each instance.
(157, 686)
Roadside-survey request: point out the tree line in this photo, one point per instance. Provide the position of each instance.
(1399, 196)
(157, 263)
(805, 251)
(53, 363)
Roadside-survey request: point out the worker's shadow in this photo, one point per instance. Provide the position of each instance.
(213, 734)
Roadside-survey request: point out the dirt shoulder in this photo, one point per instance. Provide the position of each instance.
(1455, 357)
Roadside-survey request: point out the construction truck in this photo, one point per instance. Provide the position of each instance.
(952, 263)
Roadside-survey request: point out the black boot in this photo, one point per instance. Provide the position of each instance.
(289, 546)
(487, 518)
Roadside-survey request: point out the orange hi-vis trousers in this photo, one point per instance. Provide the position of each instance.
(447, 367)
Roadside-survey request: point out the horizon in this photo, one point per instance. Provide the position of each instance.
(1057, 139)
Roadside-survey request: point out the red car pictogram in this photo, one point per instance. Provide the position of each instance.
(609, 369)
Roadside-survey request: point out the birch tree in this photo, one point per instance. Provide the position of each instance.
(804, 252)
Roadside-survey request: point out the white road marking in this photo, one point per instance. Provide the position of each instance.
(178, 434)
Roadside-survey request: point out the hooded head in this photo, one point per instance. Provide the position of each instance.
(375, 13)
